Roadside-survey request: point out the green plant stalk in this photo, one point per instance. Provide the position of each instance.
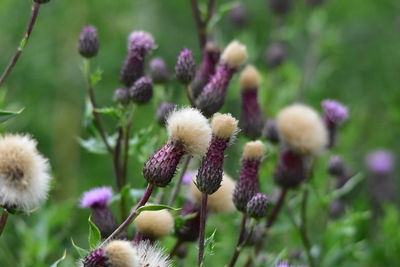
(242, 233)
(203, 214)
(202, 24)
(3, 220)
(24, 41)
(175, 190)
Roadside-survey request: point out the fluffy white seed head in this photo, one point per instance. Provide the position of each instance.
(235, 54)
(302, 129)
(121, 253)
(250, 78)
(224, 125)
(253, 150)
(221, 201)
(156, 224)
(151, 256)
(24, 172)
(188, 127)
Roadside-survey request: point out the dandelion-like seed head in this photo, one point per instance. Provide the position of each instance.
(249, 78)
(235, 54)
(155, 224)
(224, 125)
(189, 128)
(24, 172)
(253, 150)
(151, 256)
(96, 197)
(302, 129)
(121, 253)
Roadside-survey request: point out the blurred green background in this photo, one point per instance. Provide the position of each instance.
(355, 45)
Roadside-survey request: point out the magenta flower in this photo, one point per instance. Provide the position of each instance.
(380, 161)
(96, 197)
(335, 111)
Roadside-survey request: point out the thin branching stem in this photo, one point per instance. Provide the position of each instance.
(202, 25)
(241, 237)
(177, 186)
(203, 214)
(18, 52)
(175, 248)
(131, 216)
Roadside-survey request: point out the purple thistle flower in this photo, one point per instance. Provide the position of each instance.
(185, 67)
(189, 231)
(139, 45)
(336, 166)
(95, 258)
(88, 44)
(251, 119)
(248, 185)
(121, 95)
(335, 111)
(158, 70)
(188, 177)
(291, 169)
(141, 91)
(380, 162)
(163, 111)
(257, 207)
(275, 54)
(283, 264)
(141, 40)
(211, 54)
(96, 197)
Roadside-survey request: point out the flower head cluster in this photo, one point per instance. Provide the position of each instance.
(185, 67)
(96, 197)
(257, 207)
(158, 70)
(24, 173)
(88, 44)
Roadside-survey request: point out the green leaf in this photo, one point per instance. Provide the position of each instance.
(110, 111)
(346, 189)
(6, 115)
(93, 145)
(15, 211)
(55, 264)
(154, 207)
(95, 77)
(94, 235)
(180, 220)
(209, 244)
(81, 252)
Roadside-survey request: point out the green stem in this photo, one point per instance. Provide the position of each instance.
(178, 184)
(3, 220)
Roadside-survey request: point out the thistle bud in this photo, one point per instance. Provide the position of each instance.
(189, 133)
(270, 132)
(163, 111)
(248, 185)
(335, 114)
(189, 231)
(121, 95)
(212, 97)
(141, 91)
(280, 7)
(88, 44)
(158, 70)
(257, 207)
(211, 54)
(291, 169)
(302, 129)
(251, 119)
(185, 67)
(209, 176)
(154, 224)
(97, 200)
(238, 15)
(139, 45)
(275, 54)
(336, 166)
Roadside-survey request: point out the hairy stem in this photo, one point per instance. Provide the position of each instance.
(178, 183)
(131, 216)
(242, 233)
(18, 52)
(203, 214)
(3, 220)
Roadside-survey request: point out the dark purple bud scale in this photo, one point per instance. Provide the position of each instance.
(238, 15)
(270, 131)
(141, 91)
(189, 231)
(257, 207)
(104, 219)
(185, 67)
(207, 68)
(291, 169)
(247, 185)
(133, 67)
(121, 95)
(160, 168)
(158, 70)
(88, 44)
(275, 54)
(336, 166)
(280, 7)
(163, 111)
(210, 173)
(251, 119)
(212, 97)
(96, 258)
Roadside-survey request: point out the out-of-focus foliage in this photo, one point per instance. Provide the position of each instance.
(346, 50)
